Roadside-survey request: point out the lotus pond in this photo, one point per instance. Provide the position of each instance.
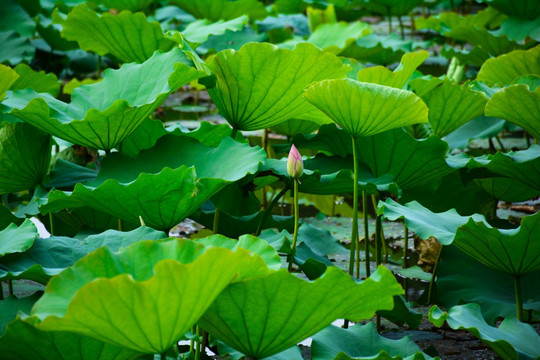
(230, 179)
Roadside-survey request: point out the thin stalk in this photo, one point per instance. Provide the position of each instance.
(500, 144)
(163, 356)
(51, 223)
(527, 138)
(433, 277)
(519, 298)
(233, 133)
(199, 344)
(192, 341)
(366, 232)
(383, 242)
(378, 322)
(1, 290)
(378, 240)
(354, 234)
(268, 210)
(215, 227)
(296, 222)
(333, 212)
(389, 20)
(99, 67)
(10, 287)
(405, 248)
(401, 28)
(120, 227)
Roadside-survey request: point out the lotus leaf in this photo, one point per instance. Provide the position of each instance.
(7, 77)
(518, 104)
(7, 217)
(482, 38)
(25, 153)
(504, 69)
(101, 115)
(14, 17)
(177, 279)
(10, 307)
(131, 5)
(398, 78)
(478, 128)
(16, 239)
(392, 7)
(364, 109)
(402, 313)
(338, 36)
(512, 340)
(362, 342)
(215, 10)
(477, 283)
(48, 257)
(270, 92)
(39, 81)
(129, 37)
(292, 309)
(199, 31)
(517, 29)
(15, 48)
(450, 105)
(513, 251)
(379, 49)
(527, 9)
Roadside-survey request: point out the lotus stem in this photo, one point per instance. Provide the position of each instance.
(378, 240)
(51, 223)
(10, 287)
(433, 277)
(405, 248)
(381, 230)
(389, 20)
(354, 233)
(163, 356)
(120, 227)
(233, 132)
(378, 322)
(215, 226)
(366, 232)
(296, 223)
(500, 144)
(199, 344)
(519, 298)
(99, 67)
(1, 290)
(401, 28)
(269, 209)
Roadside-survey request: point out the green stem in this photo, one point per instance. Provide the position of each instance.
(1, 291)
(51, 224)
(233, 133)
(296, 223)
(120, 227)
(401, 28)
(215, 227)
(199, 344)
(354, 234)
(269, 209)
(519, 299)
(378, 322)
(381, 230)
(10, 287)
(192, 341)
(433, 277)
(500, 144)
(405, 248)
(378, 240)
(389, 21)
(163, 356)
(99, 67)
(366, 233)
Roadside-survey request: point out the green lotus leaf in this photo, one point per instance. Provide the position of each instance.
(362, 342)
(25, 153)
(199, 31)
(7, 77)
(450, 105)
(24, 341)
(512, 340)
(425, 223)
(10, 307)
(39, 81)
(271, 92)
(292, 309)
(518, 104)
(402, 313)
(522, 166)
(364, 109)
(506, 189)
(101, 115)
(48, 257)
(392, 7)
(131, 5)
(482, 38)
(161, 200)
(17, 239)
(15, 48)
(127, 36)
(215, 10)
(479, 128)
(474, 56)
(477, 283)
(513, 251)
(504, 69)
(248, 242)
(338, 36)
(7, 217)
(14, 17)
(409, 162)
(379, 49)
(398, 78)
(294, 127)
(177, 279)
(527, 9)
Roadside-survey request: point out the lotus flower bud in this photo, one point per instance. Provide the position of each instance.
(295, 165)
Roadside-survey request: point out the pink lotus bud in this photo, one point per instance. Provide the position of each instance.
(295, 165)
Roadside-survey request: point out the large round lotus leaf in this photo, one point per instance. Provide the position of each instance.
(161, 200)
(215, 10)
(504, 69)
(524, 9)
(362, 342)
(37, 80)
(262, 316)
(364, 109)
(22, 340)
(518, 104)
(512, 251)
(101, 115)
(512, 339)
(335, 37)
(261, 85)
(199, 31)
(17, 239)
(108, 296)
(48, 257)
(450, 105)
(129, 37)
(25, 154)
(131, 5)
(398, 78)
